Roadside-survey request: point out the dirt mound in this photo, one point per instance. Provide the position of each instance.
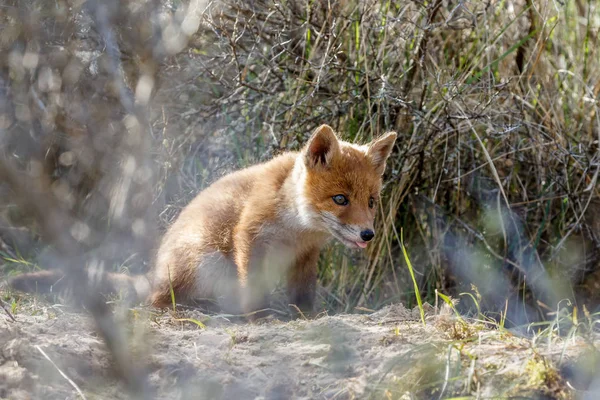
(51, 353)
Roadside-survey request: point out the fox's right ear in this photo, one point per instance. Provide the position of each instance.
(321, 147)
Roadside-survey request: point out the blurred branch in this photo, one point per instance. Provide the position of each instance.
(31, 195)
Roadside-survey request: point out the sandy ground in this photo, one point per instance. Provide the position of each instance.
(387, 354)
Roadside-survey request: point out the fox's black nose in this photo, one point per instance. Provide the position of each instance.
(367, 235)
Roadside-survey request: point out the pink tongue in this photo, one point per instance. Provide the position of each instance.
(361, 244)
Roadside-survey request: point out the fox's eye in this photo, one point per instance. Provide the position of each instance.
(371, 202)
(340, 200)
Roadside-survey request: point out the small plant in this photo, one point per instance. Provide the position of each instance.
(13, 306)
(456, 328)
(449, 302)
(235, 338)
(543, 374)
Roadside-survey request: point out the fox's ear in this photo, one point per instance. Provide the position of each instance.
(321, 147)
(380, 149)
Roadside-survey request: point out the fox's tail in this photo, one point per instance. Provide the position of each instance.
(134, 288)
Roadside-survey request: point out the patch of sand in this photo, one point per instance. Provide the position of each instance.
(386, 354)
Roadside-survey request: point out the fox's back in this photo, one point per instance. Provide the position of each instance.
(209, 219)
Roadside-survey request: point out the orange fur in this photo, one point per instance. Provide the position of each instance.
(260, 225)
(267, 223)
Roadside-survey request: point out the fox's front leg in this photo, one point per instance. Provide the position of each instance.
(302, 281)
(253, 295)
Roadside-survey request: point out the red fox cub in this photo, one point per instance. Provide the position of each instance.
(254, 227)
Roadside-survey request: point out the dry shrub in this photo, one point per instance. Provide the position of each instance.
(494, 177)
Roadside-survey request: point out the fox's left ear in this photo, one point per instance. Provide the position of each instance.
(380, 149)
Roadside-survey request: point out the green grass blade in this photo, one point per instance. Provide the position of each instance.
(502, 57)
(479, 314)
(192, 320)
(449, 302)
(412, 275)
(171, 288)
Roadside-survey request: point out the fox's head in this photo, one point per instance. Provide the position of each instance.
(341, 184)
